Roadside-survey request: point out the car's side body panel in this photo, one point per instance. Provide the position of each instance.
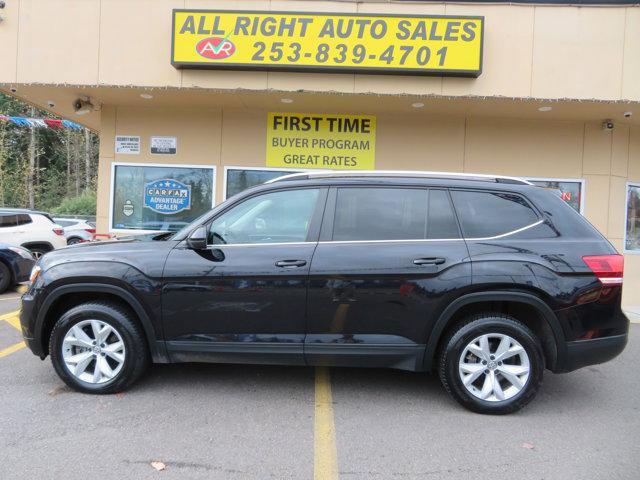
(356, 303)
(371, 295)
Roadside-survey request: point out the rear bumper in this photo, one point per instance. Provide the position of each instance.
(23, 270)
(582, 353)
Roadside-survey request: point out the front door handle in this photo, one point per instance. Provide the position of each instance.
(291, 263)
(429, 261)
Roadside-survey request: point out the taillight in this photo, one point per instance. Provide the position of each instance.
(58, 231)
(608, 268)
(90, 230)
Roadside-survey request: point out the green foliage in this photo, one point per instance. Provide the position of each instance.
(84, 204)
(59, 172)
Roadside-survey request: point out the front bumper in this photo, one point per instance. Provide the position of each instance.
(27, 323)
(582, 353)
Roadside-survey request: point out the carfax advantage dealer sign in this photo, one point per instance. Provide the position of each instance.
(425, 45)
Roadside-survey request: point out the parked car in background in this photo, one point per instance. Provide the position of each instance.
(33, 230)
(76, 230)
(487, 281)
(15, 265)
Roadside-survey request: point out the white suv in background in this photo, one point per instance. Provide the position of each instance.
(35, 231)
(76, 230)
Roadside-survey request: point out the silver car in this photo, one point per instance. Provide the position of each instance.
(77, 230)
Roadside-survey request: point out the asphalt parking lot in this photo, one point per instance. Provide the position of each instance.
(259, 422)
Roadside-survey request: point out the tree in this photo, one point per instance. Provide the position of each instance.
(41, 167)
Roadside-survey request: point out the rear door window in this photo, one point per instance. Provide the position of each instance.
(488, 214)
(65, 223)
(371, 213)
(23, 219)
(7, 221)
(442, 220)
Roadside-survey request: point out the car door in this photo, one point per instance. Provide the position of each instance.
(243, 298)
(10, 231)
(388, 260)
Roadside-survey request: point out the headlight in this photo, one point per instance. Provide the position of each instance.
(23, 252)
(35, 272)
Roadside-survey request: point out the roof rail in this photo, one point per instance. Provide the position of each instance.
(399, 173)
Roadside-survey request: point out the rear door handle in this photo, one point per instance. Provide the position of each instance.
(429, 261)
(291, 263)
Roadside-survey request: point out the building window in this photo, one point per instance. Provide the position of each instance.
(159, 197)
(632, 236)
(570, 190)
(238, 179)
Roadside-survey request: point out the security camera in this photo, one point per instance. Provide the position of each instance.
(82, 107)
(2, 4)
(607, 125)
(13, 89)
(627, 114)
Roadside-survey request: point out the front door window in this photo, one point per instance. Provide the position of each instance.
(276, 217)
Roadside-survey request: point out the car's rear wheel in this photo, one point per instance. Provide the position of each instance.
(492, 364)
(74, 241)
(5, 277)
(38, 252)
(98, 348)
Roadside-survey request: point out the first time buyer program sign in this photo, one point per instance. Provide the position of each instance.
(367, 43)
(325, 141)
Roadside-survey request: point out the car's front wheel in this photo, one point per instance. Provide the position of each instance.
(492, 364)
(98, 348)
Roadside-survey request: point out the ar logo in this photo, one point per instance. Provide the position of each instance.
(215, 48)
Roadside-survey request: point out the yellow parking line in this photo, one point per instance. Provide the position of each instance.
(12, 348)
(12, 319)
(325, 461)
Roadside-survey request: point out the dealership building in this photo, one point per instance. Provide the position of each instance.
(195, 100)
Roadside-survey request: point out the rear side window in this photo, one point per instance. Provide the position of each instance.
(442, 221)
(380, 214)
(487, 214)
(23, 219)
(7, 221)
(65, 223)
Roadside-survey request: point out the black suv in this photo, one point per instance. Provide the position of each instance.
(488, 280)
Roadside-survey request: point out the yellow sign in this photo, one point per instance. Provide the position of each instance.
(427, 45)
(313, 140)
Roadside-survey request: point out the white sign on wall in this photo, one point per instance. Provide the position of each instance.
(164, 145)
(127, 145)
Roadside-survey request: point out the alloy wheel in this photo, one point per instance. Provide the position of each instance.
(494, 367)
(93, 351)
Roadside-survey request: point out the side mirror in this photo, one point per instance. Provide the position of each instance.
(198, 239)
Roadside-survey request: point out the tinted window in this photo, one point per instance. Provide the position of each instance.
(65, 223)
(23, 219)
(442, 221)
(487, 214)
(277, 217)
(7, 221)
(380, 214)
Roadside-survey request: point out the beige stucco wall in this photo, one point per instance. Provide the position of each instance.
(530, 51)
(557, 149)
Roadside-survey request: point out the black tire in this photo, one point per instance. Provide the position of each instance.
(136, 356)
(74, 240)
(456, 342)
(5, 277)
